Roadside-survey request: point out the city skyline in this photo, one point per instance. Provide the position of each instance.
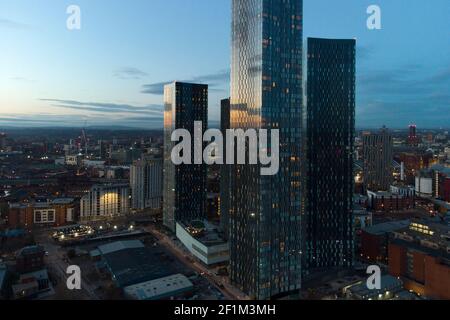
(111, 72)
(118, 209)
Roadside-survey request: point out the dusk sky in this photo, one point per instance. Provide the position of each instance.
(111, 72)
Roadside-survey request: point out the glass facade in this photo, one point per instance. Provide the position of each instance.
(224, 168)
(330, 116)
(266, 93)
(378, 157)
(184, 185)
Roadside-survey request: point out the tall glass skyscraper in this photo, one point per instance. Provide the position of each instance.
(224, 168)
(266, 93)
(184, 189)
(330, 110)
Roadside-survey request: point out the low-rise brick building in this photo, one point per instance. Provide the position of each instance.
(420, 256)
(55, 213)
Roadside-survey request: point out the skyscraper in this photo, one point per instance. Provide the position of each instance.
(184, 185)
(146, 183)
(377, 149)
(2, 141)
(224, 169)
(266, 93)
(412, 138)
(330, 109)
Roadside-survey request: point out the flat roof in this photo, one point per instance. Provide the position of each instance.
(3, 272)
(131, 266)
(388, 282)
(210, 237)
(38, 275)
(62, 201)
(120, 245)
(386, 227)
(159, 288)
(30, 250)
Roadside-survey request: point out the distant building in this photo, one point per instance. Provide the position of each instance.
(184, 185)
(444, 186)
(169, 287)
(413, 162)
(225, 124)
(328, 220)
(146, 178)
(404, 190)
(54, 212)
(204, 242)
(3, 141)
(389, 287)
(73, 160)
(4, 275)
(375, 240)
(31, 284)
(388, 202)
(378, 171)
(424, 183)
(420, 255)
(30, 259)
(413, 139)
(105, 201)
(441, 182)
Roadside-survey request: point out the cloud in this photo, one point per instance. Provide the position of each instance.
(127, 73)
(410, 93)
(109, 108)
(214, 80)
(154, 88)
(363, 52)
(22, 79)
(11, 24)
(80, 120)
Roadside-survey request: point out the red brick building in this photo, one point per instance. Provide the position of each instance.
(444, 187)
(375, 240)
(420, 256)
(389, 202)
(30, 259)
(54, 213)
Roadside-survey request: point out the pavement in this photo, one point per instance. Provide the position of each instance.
(228, 291)
(55, 261)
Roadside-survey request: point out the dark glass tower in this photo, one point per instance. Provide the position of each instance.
(184, 185)
(330, 110)
(224, 169)
(266, 93)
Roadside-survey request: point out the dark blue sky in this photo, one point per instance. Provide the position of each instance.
(112, 70)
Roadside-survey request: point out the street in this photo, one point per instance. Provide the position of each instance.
(228, 291)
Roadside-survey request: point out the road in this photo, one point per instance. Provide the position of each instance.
(229, 292)
(55, 261)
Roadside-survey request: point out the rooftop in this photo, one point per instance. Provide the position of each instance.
(388, 283)
(135, 265)
(120, 245)
(387, 227)
(209, 236)
(159, 288)
(30, 250)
